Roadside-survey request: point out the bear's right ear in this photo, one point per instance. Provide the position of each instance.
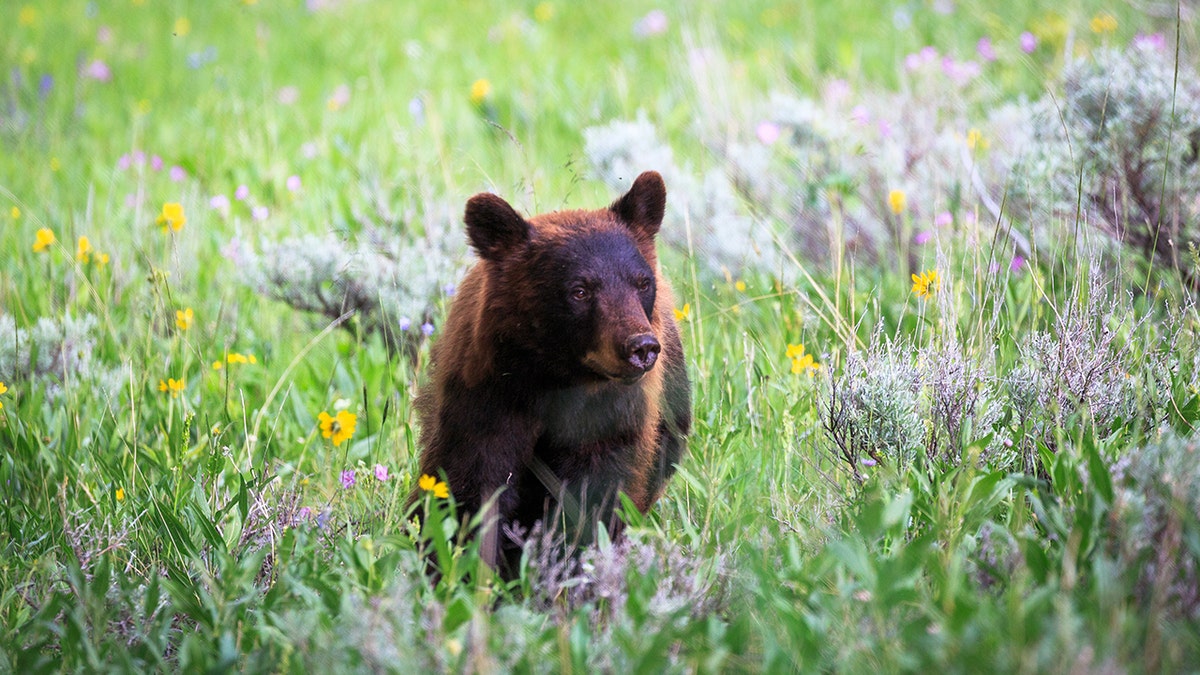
(494, 227)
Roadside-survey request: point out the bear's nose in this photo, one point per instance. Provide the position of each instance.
(641, 351)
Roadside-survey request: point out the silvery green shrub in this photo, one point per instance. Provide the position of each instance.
(55, 351)
(1120, 146)
(392, 285)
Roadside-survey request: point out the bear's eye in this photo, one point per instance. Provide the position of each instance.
(580, 293)
(644, 284)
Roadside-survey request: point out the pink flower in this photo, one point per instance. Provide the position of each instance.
(241, 193)
(1028, 42)
(923, 237)
(260, 213)
(869, 462)
(654, 23)
(943, 219)
(304, 513)
(912, 62)
(293, 183)
(985, 50)
(98, 70)
(219, 202)
(156, 163)
(125, 162)
(177, 174)
(767, 132)
(1017, 263)
(139, 157)
(381, 473)
(288, 95)
(837, 90)
(860, 114)
(1154, 42)
(928, 54)
(348, 479)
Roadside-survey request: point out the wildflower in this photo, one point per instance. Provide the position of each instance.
(27, 16)
(1103, 23)
(172, 216)
(897, 200)
(220, 203)
(943, 219)
(339, 428)
(767, 132)
(427, 329)
(543, 12)
(740, 286)
(437, 487)
(120, 495)
(171, 385)
(3, 389)
(260, 213)
(102, 259)
(45, 239)
(241, 193)
(339, 98)
(922, 237)
(975, 139)
(654, 23)
(46, 84)
(381, 473)
(15, 213)
(1017, 263)
(985, 50)
(177, 174)
(83, 250)
(925, 284)
(405, 323)
(348, 479)
(801, 362)
(682, 314)
(480, 90)
(182, 26)
(869, 462)
(292, 183)
(156, 163)
(98, 71)
(1028, 42)
(55, 165)
(183, 318)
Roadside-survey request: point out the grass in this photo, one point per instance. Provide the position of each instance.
(212, 529)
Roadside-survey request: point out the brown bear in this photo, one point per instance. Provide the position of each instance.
(559, 378)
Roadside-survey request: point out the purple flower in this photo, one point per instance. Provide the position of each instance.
(293, 183)
(923, 237)
(427, 329)
(448, 290)
(928, 54)
(219, 202)
(139, 157)
(885, 128)
(323, 518)
(125, 162)
(241, 193)
(177, 174)
(260, 213)
(767, 132)
(869, 462)
(98, 70)
(405, 323)
(985, 50)
(1028, 42)
(381, 473)
(1154, 42)
(860, 114)
(46, 85)
(1017, 263)
(943, 219)
(837, 90)
(304, 513)
(654, 23)
(348, 479)
(156, 163)
(912, 62)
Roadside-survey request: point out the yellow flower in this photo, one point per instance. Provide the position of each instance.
(437, 487)
(480, 90)
(3, 389)
(27, 15)
(15, 213)
(182, 26)
(217, 365)
(740, 286)
(83, 251)
(682, 314)
(794, 351)
(45, 239)
(120, 494)
(805, 363)
(102, 259)
(543, 12)
(172, 216)
(1103, 23)
(925, 284)
(897, 200)
(184, 318)
(339, 428)
(172, 385)
(975, 139)
(55, 165)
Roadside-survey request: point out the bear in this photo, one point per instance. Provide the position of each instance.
(558, 380)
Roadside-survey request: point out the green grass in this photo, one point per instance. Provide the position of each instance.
(142, 531)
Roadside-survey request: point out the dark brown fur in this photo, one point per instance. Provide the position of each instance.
(547, 386)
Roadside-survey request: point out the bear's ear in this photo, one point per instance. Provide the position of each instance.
(494, 227)
(642, 207)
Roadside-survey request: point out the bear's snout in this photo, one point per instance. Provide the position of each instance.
(641, 351)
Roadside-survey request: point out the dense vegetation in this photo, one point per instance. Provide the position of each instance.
(935, 261)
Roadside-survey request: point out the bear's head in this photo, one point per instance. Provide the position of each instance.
(570, 295)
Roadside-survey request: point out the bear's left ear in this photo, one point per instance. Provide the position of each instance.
(643, 206)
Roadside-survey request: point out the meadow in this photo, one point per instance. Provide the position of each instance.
(935, 267)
